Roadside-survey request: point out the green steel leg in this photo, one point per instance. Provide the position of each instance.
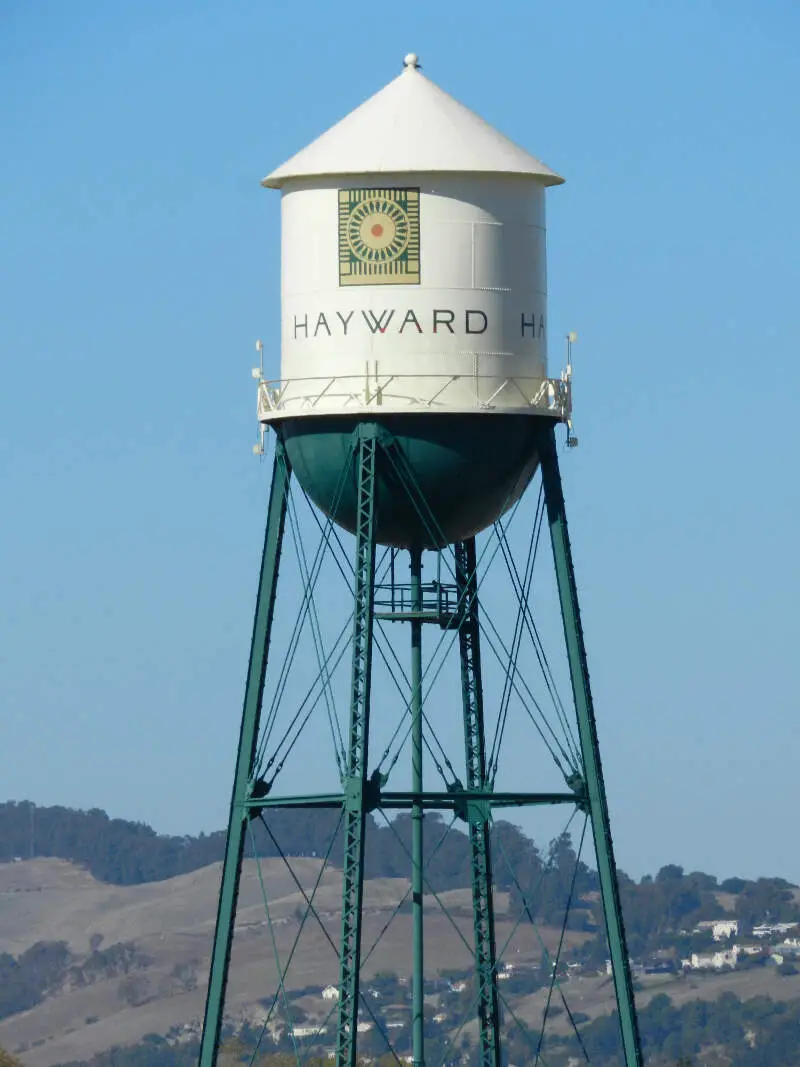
(418, 979)
(356, 785)
(251, 716)
(478, 810)
(593, 771)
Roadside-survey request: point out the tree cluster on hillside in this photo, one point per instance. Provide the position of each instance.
(129, 853)
(759, 1032)
(658, 908)
(543, 885)
(26, 981)
(152, 1051)
(47, 966)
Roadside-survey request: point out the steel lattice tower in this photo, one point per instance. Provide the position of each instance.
(422, 465)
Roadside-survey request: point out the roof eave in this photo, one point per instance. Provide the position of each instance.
(276, 180)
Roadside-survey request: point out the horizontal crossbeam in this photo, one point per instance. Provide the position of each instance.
(443, 801)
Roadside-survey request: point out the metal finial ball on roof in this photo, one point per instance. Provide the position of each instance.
(411, 61)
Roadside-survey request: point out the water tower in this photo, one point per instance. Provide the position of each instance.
(414, 408)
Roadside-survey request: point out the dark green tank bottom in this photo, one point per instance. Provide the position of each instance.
(470, 469)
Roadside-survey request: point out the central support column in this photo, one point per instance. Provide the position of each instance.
(418, 987)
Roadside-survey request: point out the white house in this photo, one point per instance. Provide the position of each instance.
(724, 929)
(308, 1031)
(720, 929)
(330, 992)
(768, 929)
(713, 961)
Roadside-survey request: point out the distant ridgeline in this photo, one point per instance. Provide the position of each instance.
(128, 853)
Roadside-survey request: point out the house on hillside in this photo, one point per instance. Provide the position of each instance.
(790, 948)
(712, 961)
(330, 992)
(771, 929)
(720, 929)
(308, 1031)
(636, 968)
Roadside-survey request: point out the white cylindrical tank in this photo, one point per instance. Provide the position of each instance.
(413, 263)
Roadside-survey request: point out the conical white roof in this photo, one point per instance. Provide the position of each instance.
(411, 126)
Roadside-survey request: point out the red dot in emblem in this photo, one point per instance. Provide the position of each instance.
(377, 230)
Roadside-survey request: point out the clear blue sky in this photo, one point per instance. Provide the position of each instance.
(139, 261)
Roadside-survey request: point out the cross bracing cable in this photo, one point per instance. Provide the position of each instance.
(262, 763)
(526, 910)
(533, 632)
(522, 1027)
(377, 940)
(408, 482)
(380, 637)
(331, 535)
(310, 909)
(333, 721)
(394, 915)
(505, 700)
(407, 893)
(281, 984)
(317, 883)
(405, 475)
(442, 905)
(283, 741)
(558, 952)
(304, 607)
(503, 661)
(450, 636)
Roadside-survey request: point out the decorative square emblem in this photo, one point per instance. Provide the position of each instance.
(379, 237)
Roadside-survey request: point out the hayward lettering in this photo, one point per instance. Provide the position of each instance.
(392, 320)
